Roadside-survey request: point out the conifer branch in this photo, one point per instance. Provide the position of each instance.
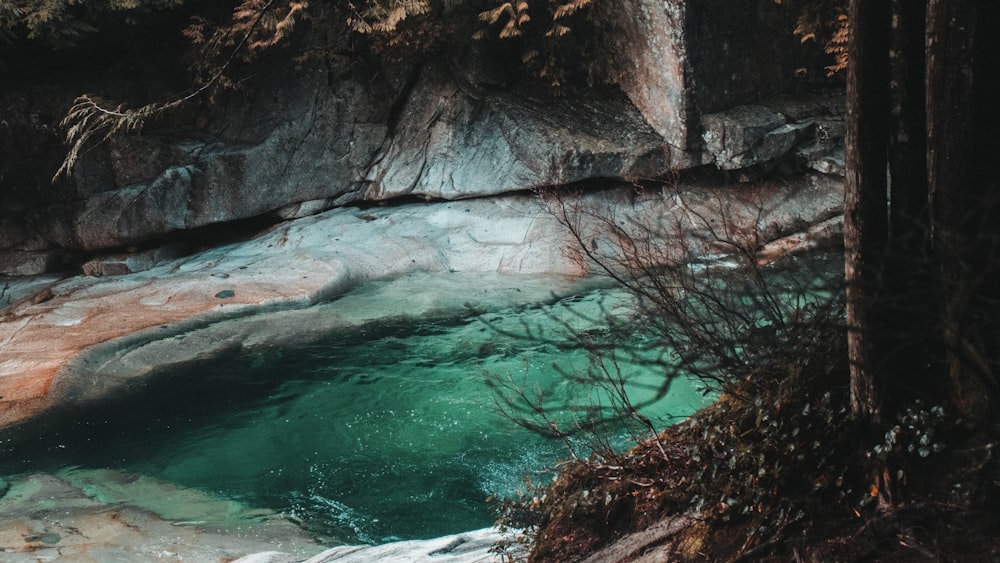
(92, 117)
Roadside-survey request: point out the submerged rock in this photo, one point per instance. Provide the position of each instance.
(101, 515)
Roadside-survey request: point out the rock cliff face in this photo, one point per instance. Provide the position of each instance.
(450, 140)
(682, 60)
(300, 140)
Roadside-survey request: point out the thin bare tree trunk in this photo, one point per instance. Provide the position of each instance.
(913, 363)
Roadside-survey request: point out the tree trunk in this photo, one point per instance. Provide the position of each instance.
(913, 364)
(962, 116)
(865, 202)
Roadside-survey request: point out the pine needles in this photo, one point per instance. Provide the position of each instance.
(255, 26)
(93, 117)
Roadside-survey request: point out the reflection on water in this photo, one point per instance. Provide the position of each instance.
(390, 434)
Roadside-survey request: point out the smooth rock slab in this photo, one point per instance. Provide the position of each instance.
(469, 547)
(83, 338)
(295, 265)
(105, 516)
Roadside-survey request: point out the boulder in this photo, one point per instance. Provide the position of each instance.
(823, 157)
(454, 142)
(732, 138)
(308, 142)
(810, 126)
(102, 515)
(29, 263)
(120, 263)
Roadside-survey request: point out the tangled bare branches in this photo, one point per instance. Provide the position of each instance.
(698, 283)
(702, 308)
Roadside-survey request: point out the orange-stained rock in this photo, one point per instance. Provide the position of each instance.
(291, 267)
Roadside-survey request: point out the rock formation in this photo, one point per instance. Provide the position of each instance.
(75, 340)
(682, 60)
(223, 232)
(471, 547)
(303, 139)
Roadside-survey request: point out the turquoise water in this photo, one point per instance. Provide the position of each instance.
(386, 434)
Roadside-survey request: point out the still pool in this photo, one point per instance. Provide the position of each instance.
(367, 437)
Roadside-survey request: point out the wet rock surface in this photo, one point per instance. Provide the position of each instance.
(99, 515)
(80, 338)
(470, 547)
(293, 266)
(102, 515)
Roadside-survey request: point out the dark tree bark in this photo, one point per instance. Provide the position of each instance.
(962, 117)
(923, 246)
(913, 357)
(908, 131)
(865, 203)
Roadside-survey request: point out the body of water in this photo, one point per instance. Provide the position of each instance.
(387, 434)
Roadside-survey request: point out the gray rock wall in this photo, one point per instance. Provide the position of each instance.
(651, 36)
(297, 141)
(453, 141)
(683, 59)
(333, 143)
